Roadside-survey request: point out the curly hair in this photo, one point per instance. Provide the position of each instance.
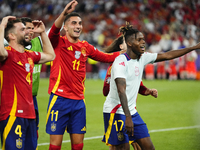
(128, 31)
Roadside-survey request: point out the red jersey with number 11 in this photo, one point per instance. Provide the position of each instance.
(68, 70)
(16, 84)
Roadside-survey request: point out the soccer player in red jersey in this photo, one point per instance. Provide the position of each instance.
(17, 114)
(68, 71)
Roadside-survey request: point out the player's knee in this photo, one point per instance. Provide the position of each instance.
(150, 148)
(77, 146)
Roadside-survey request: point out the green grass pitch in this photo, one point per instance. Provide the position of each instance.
(173, 118)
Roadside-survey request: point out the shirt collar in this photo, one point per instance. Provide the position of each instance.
(127, 56)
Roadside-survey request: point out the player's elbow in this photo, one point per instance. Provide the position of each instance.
(53, 56)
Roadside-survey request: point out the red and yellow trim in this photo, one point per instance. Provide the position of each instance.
(112, 115)
(57, 82)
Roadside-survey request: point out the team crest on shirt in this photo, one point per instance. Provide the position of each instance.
(30, 61)
(120, 136)
(19, 143)
(137, 72)
(77, 54)
(8, 47)
(83, 51)
(53, 127)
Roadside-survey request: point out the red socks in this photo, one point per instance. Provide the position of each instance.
(77, 146)
(54, 147)
(74, 147)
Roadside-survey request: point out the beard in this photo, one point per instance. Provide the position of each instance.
(23, 42)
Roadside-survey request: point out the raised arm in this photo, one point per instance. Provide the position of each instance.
(48, 52)
(70, 7)
(121, 88)
(3, 52)
(176, 53)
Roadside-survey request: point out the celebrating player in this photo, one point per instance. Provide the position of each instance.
(119, 44)
(17, 114)
(68, 71)
(121, 119)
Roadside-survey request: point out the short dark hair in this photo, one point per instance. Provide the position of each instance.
(71, 15)
(10, 26)
(114, 46)
(26, 19)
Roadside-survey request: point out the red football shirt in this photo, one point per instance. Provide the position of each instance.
(16, 84)
(68, 70)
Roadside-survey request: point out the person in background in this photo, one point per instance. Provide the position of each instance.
(191, 57)
(173, 75)
(36, 46)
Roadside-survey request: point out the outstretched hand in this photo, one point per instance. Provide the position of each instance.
(70, 7)
(6, 19)
(38, 26)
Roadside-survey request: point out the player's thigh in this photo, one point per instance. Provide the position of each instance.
(114, 125)
(146, 143)
(58, 114)
(56, 139)
(15, 132)
(76, 138)
(140, 128)
(77, 122)
(124, 146)
(31, 135)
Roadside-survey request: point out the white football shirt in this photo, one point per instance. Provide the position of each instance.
(131, 70)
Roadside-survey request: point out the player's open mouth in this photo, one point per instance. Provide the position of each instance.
(143, 48)
(77, 31)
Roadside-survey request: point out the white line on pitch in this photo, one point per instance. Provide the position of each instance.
(151, 131)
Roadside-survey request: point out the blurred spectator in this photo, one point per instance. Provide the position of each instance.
(172, 70)
(149, 71)
(95, 68)
(165, 21)
(190, 61)
(181, 61)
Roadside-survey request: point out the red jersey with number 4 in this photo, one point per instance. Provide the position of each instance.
(16, 84)
(68, 70)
